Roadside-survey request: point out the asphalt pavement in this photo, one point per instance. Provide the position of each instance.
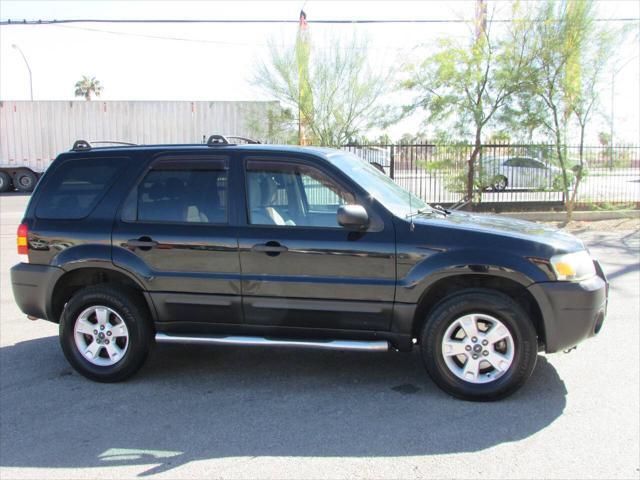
(225, 412)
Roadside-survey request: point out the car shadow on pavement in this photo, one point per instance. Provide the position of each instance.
(196, 403)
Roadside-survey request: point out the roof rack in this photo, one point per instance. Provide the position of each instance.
(117, 143)
(217, 140)
(245, 139)
(82, 145)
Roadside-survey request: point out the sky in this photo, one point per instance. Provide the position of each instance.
(215, 62)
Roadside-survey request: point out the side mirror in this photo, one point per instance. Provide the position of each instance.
(354, 217)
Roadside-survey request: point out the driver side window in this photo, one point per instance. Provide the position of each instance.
(292, 194)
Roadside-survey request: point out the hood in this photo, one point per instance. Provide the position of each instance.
(505, 227)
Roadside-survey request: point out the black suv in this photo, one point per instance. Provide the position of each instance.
(288, 246)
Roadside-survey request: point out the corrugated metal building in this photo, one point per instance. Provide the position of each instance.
(32, 134)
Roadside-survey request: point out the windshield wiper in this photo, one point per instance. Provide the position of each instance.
(440, 208)
(423, 211)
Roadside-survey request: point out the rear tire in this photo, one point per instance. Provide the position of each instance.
(25, 181)
(502, 364)
(105, 332)
(5, 182)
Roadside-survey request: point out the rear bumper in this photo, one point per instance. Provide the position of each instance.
(32, 288)
(571, 312)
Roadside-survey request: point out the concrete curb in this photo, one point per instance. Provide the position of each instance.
(579, 215)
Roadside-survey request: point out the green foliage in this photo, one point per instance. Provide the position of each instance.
(86, 86)
(276, 125)
(604, 138)
(569, 52)
(333, 91)
(469, 82)
(608, 207)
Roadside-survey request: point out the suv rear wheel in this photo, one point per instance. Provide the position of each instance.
(105, 333)
(479, 345)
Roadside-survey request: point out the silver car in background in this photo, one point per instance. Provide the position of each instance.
(500, 173)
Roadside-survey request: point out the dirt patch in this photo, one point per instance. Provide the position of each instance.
(617, 225)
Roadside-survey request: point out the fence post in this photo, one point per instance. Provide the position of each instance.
(392, 158)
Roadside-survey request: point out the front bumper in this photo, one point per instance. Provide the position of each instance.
(571, 312)
(33, 287)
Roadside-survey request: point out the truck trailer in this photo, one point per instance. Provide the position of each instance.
(33, 133)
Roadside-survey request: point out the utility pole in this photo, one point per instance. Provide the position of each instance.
(613, 89)
(481, 18)
(28, 68)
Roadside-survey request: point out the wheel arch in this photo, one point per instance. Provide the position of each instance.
(75, 279)
(448, 286)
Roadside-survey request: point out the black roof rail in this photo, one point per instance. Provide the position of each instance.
(117, 143)
(244, 139)
(81, 145)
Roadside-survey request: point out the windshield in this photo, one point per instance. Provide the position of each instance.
(379, 186)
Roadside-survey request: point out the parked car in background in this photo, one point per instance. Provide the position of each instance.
(500, 173)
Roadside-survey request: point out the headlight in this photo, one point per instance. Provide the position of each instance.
(573, 267)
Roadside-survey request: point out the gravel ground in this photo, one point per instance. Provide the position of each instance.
(258, 413)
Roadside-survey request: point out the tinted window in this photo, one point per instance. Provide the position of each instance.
(76, 186)
(530, 162)
(293, 194)
(179, 195)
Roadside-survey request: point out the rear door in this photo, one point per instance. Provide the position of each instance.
(299, 267)
(174, 231)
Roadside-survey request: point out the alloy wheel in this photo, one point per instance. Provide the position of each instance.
(478, 348)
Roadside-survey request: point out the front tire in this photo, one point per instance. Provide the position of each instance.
(105, 332)
(479, 345)
(500, 183)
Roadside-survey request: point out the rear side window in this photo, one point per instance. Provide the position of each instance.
(75, 187)
(177, 193)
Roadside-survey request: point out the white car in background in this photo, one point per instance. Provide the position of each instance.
(500, 173)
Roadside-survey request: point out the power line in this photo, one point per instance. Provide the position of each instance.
(198, 20)
(215, 42)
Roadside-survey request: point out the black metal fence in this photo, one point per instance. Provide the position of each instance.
(511, 176)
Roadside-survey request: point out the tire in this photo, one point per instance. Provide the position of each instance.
(516, 353)
(25, 181)
(5, 182)
(500, 183)
(122, 306)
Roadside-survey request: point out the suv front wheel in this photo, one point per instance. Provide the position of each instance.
(105, 333)
(479, 345)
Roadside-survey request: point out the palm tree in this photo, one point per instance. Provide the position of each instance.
(86, 86)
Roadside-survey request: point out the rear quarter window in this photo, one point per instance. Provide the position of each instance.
(74, 189)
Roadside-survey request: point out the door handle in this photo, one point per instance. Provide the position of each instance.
(143, 243)
(270, 248)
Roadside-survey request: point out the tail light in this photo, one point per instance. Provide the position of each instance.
(23, 245)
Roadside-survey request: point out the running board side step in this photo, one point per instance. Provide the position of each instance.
(366, 345)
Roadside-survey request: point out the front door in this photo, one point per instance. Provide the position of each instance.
(175, 234)
(299, 267)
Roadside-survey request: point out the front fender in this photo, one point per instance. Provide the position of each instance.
(443, 264)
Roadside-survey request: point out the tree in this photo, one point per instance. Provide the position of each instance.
(569, 53)
(332, 92)
(471, 80)
(275, 125)
(87, 86)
